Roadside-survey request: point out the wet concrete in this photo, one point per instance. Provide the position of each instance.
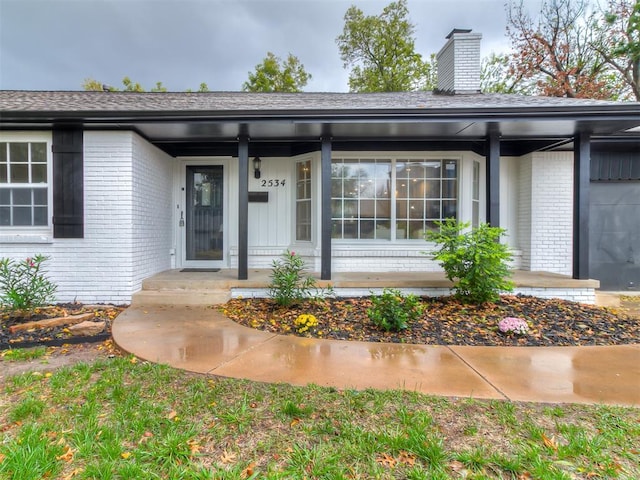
(200, 339)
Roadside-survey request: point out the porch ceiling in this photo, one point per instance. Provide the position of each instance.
(282, 137)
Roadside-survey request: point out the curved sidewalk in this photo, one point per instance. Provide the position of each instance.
(202, 340)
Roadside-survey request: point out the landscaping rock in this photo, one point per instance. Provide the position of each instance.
(51, 322)
(87, 328)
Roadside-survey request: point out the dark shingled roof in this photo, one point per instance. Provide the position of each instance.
(214, 103)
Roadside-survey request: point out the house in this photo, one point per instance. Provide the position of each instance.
(117, 186)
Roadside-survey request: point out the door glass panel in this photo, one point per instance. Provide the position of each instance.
(204, 213)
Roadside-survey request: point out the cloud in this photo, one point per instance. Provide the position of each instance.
(56, 44)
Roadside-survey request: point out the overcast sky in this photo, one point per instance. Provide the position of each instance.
(56, 44)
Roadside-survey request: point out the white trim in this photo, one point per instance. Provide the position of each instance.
(315, 216)
(180, 232)
(34, 234)
(465, 162)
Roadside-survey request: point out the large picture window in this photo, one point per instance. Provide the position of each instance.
(24, 184)
(384, 199)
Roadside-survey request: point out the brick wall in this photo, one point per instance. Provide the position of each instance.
(546, 212)
(459, 64)
(152, 214)
(581, 295)
(106, 265)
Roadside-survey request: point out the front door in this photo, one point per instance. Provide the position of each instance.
(204, 218)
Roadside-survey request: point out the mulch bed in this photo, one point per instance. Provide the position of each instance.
(59, 335)
(447, 321)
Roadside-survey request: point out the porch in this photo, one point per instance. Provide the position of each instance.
(176, 287)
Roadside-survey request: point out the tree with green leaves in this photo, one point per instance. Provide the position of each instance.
(495, 76)
(617, 40)
(277, 75)
(380, 51)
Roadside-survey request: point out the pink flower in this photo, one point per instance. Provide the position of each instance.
(513, 325)
(293, 254)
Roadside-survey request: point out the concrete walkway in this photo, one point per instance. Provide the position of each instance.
(200, 339)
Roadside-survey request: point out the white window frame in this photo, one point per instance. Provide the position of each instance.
(38, 232)
(311, 199)
(464, 184)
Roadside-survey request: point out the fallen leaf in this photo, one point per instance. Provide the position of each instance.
(456, 466)
(173, 414)
(194, 447)
(67, 456)
(125, 455)
(408, 458)
(386, 460)
(550, 442)
(228, 457)
(247, 472)
(294, 422)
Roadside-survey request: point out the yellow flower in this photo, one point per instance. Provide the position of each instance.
(305, 321)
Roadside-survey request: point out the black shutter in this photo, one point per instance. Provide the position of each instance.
(68, 183)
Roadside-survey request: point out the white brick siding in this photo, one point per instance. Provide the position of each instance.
(581, 295)
(152, 211)
(546, 212)
(105, 265)
(459, 64)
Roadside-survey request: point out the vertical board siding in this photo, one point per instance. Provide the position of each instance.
(615, 166)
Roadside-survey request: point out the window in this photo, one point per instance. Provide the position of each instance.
(475, 196)
(426, 192)
(361, 199)
(364, 205)
(303, 201)
(24, 184)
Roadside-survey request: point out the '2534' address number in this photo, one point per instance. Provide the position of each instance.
(273, 183)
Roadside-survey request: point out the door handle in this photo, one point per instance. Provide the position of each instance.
(181, 223)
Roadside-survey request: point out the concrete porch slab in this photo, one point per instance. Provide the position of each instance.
(206, 288)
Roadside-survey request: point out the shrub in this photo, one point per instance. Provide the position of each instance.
(393, 311)
(289, 283)
(23, 285)
(475, 260)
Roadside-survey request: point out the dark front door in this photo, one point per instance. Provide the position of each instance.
(204, 214)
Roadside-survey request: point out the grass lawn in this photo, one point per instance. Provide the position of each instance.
(123, 419)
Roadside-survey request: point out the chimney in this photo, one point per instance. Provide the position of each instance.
(459, 63)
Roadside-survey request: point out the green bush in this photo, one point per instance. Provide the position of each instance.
(289, 283)
(23, 285)
(393, 311)
(474, 260)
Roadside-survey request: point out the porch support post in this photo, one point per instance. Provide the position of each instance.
(493, 176)
(325, 202)
(581, 178)
(243, 206)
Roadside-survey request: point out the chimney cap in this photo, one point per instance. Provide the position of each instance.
(458, 30)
